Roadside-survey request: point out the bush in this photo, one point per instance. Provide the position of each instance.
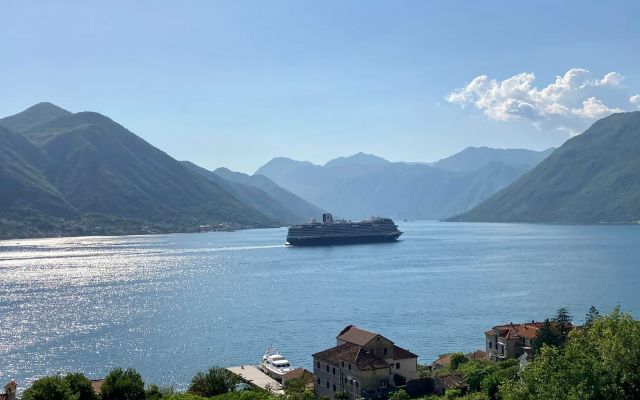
(457, 359)
(213, 382)
(399, 395)
(123, 385)
(49, 388)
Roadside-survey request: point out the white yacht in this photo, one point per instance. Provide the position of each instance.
(274, 364)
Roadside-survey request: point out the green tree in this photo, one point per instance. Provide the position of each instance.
(123, 385)
(81, 386)
(457, 359)
(49, 388)
(399, 395)
(602, 362)
(547, 335)
(591, 317)
(563, 322)
(213, 382)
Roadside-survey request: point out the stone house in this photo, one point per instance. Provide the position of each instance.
(363, 364)
(511, 341)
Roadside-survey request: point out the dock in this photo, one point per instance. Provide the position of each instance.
(251, 375)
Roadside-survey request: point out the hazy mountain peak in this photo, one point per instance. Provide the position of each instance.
(357, 159)
(230, 175)
(473, 158)
(32, 116)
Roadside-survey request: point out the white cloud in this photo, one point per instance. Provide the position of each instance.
(635, 100)
(568, 104)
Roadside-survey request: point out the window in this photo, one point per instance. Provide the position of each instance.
(490, 344)
(334, 370)
(397, 365)
(343, 364)
(349, 366)
(318, 381)
(334, 387)
(352, 382)
(327, 384)
(318, 364)
(385, 351)
(357, 383)
(327, 367)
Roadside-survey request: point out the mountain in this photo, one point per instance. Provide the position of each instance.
(474, 158)
(363, 185)
(262, 194)
(87, 168)
(593, 177)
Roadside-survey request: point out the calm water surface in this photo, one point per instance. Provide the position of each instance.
(170, 305)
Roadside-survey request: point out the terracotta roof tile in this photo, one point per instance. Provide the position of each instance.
(452, 381)
(351, 353)
(400, 354)
(355, 335)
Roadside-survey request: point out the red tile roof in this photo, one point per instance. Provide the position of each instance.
(452, 381)
(355, 335)
(11, 385)
(443, 360)
(298, 373)
(478, 355)
(400, 354)
(354, 354)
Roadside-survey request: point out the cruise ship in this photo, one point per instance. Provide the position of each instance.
(330, 232)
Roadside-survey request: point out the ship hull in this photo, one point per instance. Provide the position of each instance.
(341, 240)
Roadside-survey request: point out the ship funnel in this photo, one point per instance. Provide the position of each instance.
(327, 218)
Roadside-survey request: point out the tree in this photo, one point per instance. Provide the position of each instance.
(563, 322)
(213, 382)
(547, 335)
(457, 359)
(591, 317)
(80, 385)
(399, 395)
(602, 362)
(49, 388)
(123, 385)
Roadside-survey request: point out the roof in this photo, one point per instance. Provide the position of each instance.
(400, 354)
(298, 373)
(477, 355)
(354, 354)
(444, 360)
(96, 384)
(452, 381)
(527, 330)
(11, 385)
(355, 335)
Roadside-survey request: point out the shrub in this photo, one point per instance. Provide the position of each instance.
(399, 395)
(213, 382)
(123, 385)
(457, 359)
(49, 388)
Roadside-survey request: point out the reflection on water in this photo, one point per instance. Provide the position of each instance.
(169, 305)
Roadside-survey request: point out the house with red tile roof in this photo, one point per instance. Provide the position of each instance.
(510, 340)
(363, 364)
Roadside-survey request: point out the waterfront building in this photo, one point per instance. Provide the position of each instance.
(363, 364)
(511, 341)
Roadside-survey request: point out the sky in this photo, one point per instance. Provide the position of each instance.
(236, 83)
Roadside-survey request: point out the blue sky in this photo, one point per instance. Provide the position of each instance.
(235, 83)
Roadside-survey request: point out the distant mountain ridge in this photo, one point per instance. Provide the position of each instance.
(82, 173)
(592, 178)
(363, 185)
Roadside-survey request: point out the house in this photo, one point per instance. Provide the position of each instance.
(444, 360)
(10, 391)
(96, 384)
(303, 375)
(449, 382)
(511, 341)
(363, 364)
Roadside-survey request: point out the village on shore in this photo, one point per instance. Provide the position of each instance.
(367, 365)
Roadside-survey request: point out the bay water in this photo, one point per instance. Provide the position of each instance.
(170, 305)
